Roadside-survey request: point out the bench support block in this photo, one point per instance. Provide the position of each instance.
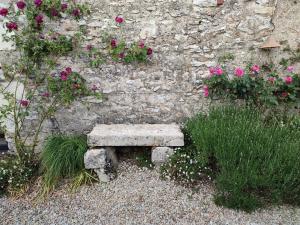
(103, 161)
(160, 155)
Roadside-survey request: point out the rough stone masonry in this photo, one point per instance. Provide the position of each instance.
(187, 37)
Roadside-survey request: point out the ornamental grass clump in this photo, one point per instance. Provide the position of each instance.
(253, 163)
(63, 157)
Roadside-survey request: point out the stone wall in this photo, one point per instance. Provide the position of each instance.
(187, 37)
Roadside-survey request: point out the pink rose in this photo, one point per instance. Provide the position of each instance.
(290, 69)
(239, 72)
(271, 79)
(64, 7)
(21, 5)
(12, 26)
(3, 12)
(218, 71)
(38, 3)
(68, 70)
(76, 12)
(119, 20)
(284, 94)
(255, 68)
(63, 75)
(54, 12)
(142, 44)
(212, 71)
(113, 43)
(149, 51)
(24, 103)
(215, 71)
(288, 80)
(39, 19)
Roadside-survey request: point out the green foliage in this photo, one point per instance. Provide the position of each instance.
(143, 159)
(68, 90)
(186, 166)
(294, 57)
(95, 56)
(63, 157)
(133, 53)
(15, 175)
(84, 177)
(37, 47)
(253, 162)
(266, 88)
(118, 50)
(40, 48)
(226, 58)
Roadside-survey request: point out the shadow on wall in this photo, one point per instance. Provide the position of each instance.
(3, 143)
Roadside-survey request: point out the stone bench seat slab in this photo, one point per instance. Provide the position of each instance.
(136, 135)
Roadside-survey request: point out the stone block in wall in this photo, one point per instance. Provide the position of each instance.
(262, 2)
(150, 29)
(267, 11)
(4, 3)
(205, 3)
(255, 24)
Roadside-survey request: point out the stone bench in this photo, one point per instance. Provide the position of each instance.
(104, 138)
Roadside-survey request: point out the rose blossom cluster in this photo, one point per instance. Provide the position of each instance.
(12, 26)
(3, 12)
(65, 74)
(239, 72)
(24, 103)
(288, 80)
(21, 5)
(255, 70)
(113, 43)
(119, 19)
(216, 71)
(39, 19)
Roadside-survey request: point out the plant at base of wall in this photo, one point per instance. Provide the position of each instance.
(62, 157)
(255, 85)
(252, 163)
(15, 175)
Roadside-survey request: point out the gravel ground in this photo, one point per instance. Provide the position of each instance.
(139, 197)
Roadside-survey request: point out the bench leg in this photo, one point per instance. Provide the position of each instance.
(103, 161)
(160, 155)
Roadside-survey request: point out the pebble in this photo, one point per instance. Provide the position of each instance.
(138, 196)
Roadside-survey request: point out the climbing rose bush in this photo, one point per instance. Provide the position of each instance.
(39, 48)
(37, 70)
